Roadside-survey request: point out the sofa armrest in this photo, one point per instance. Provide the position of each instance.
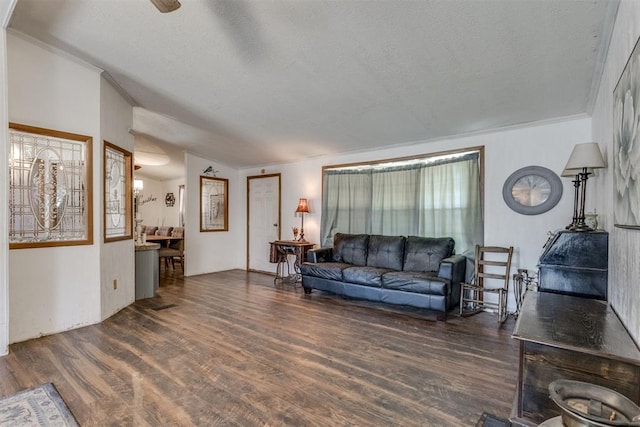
(320, 255)
(454, 269)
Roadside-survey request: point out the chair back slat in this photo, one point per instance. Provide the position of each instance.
(496, 263)
(499, 266)
(492, 276)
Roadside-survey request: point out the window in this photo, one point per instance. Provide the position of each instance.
(117, 193)
(436, 195)
(50, 182)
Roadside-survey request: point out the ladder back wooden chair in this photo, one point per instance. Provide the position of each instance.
(491, 276)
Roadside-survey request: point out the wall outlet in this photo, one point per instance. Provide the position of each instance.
(115, 283)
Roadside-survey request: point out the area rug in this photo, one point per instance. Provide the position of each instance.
(490, 420)
(38, 406)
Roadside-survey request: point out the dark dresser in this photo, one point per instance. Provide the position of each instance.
(575, 263)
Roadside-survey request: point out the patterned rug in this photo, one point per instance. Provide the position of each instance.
(38, 406)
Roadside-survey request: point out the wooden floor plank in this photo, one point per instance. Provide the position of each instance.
(233, 348)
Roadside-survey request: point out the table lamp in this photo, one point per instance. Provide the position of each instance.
(584, 158)
(575, 174)
(303, 207)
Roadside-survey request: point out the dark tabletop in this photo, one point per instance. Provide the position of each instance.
(574, 323)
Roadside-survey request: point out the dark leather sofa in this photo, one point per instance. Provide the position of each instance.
(416, 271)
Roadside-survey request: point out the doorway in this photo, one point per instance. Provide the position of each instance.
(263, 219)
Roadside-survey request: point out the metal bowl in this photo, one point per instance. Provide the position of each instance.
(589, 405)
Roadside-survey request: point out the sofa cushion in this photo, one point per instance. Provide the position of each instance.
(325, 270)
(418, 282)
(367, 276)
(350, 248)
(386, 252)
(425, 253)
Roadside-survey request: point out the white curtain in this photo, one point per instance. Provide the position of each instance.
(437, 199)
(346, 204)
(450, 203)
(395, 210)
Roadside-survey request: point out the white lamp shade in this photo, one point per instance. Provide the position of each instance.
(138, 184)
(585, 155)
(573, 172)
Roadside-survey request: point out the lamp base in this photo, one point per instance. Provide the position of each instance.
(580, 227)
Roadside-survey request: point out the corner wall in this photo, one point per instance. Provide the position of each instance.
(6, 7)
(117, 259)
(624, 245)
(54, 289)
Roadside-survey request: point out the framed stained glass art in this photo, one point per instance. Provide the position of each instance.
(214, 204)
(50, 183)
(118, 205)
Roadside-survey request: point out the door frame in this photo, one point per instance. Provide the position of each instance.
(252, 177)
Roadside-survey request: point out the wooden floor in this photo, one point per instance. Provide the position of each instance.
(232, 349)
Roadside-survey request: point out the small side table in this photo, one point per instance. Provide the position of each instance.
(280, 249)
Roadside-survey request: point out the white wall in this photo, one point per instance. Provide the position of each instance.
(171, 214)
(117, 260)
(6, 7)
(624, 245)
(54, 289)
(207, 252)
(156, 212)
(547, 145)
(151, 201)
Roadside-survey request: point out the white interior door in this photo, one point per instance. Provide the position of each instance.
(263, 214)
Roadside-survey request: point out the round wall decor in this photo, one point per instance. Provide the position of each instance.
(532, 190)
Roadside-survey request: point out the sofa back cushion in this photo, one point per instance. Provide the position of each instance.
(386, 252)
(425, 253)
(350, 248)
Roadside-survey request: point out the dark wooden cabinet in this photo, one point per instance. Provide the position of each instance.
(568, 337)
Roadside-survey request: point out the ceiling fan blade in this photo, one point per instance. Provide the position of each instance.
(165, 6)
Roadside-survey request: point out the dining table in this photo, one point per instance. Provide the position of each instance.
(164, 241)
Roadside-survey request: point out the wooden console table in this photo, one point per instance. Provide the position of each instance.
(574, 338)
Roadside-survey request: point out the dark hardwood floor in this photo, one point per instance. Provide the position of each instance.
(231, 348)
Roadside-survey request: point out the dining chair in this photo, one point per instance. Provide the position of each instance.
(175, 250)
(164, 231)
(149, 230)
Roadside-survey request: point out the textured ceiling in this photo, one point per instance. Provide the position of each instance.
(254, 82)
